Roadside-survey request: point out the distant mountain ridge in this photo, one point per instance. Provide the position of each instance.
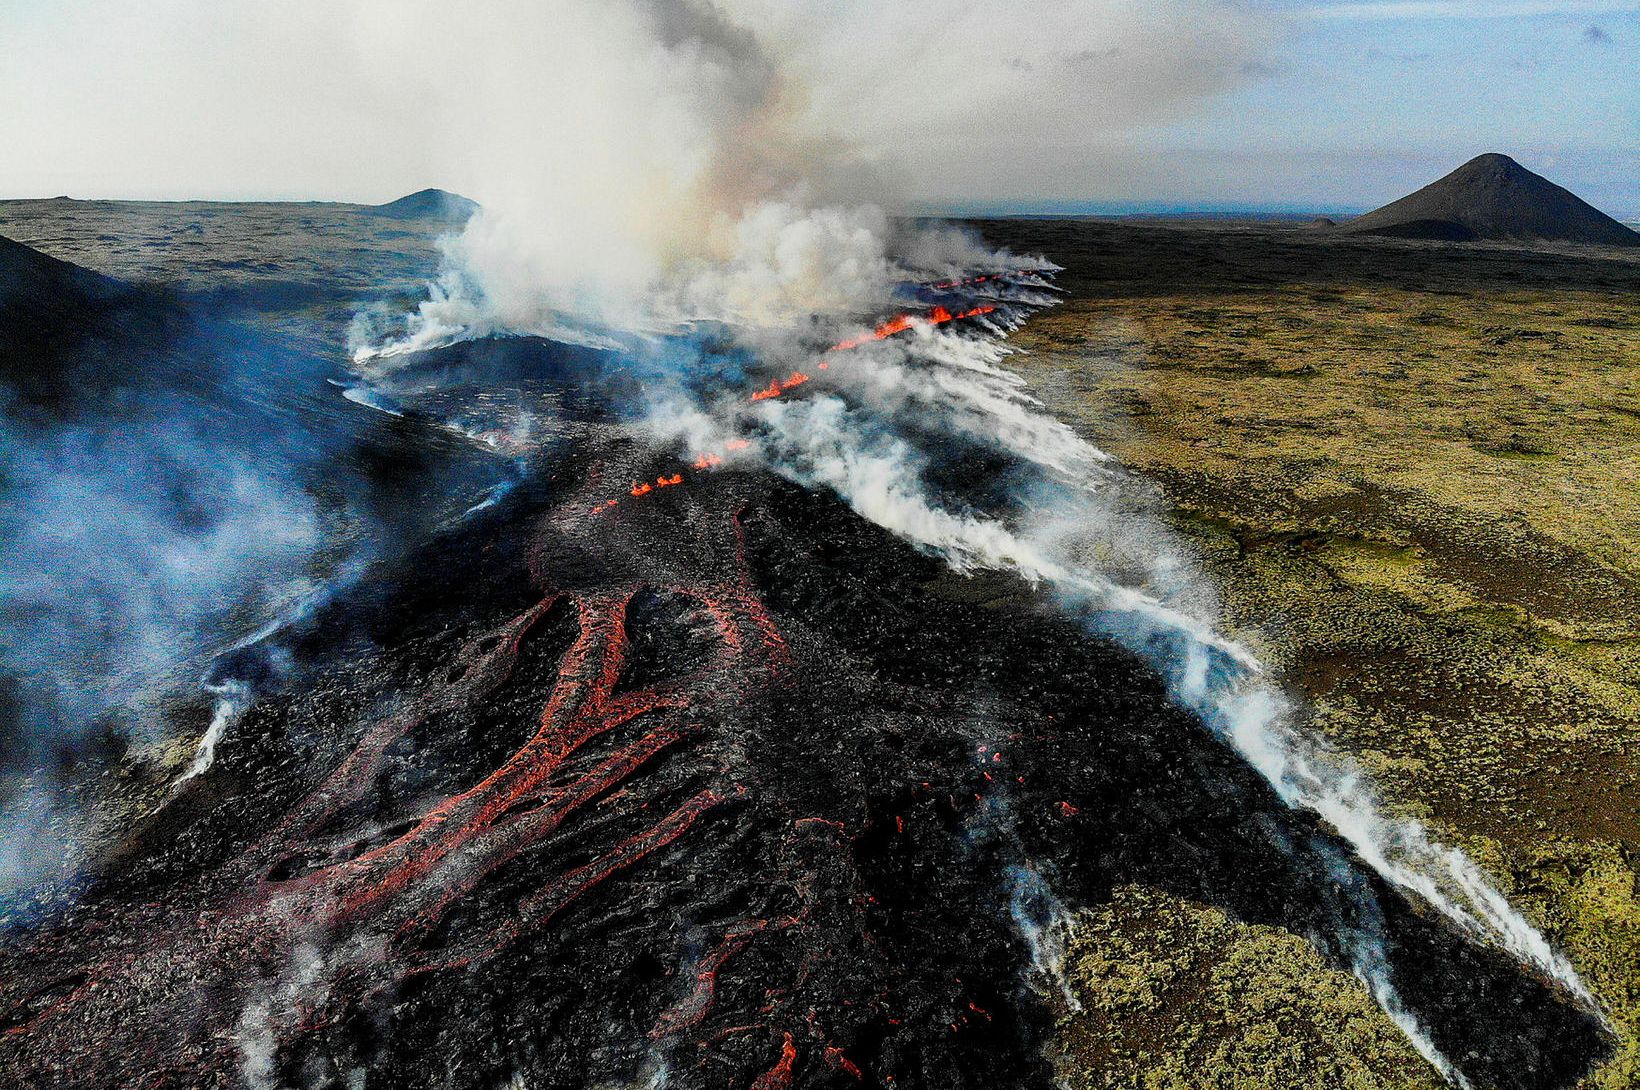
(429, 204)
(1492, 197)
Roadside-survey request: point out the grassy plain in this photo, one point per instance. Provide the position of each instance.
(1413, 471)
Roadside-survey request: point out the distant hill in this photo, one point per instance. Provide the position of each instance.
(436, 204)
(33, 285)
(67, 331)
(1494, 197)
(44, 301)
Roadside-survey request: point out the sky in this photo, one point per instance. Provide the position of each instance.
(1314, 105)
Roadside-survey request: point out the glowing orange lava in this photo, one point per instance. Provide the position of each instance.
(780, 386)
(779, 1077)
(898, 324)
(902, 322)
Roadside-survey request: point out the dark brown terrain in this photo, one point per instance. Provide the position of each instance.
(1494, 198)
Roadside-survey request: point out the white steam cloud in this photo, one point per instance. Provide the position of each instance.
(130, 549)
(648, 162)
(639, 164)
(370, 99)
(125, 552)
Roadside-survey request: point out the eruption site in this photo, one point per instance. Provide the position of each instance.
(711, 459)
(648, 636)
(768, 731)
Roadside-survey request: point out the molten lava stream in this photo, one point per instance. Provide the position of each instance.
(400, 892)
(779, 1077)
(902, 322)
(692, 1009)
(467, 836)
(708, 460)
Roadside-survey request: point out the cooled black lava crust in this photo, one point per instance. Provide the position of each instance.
(730, 784)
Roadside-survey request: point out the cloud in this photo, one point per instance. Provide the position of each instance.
(950, 95)
(645, 162)
(363, 99)
(1465, 9)
(1399, 57)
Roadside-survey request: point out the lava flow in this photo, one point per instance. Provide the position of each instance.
(777, 387)
(902, 322)
(732, 798)
(736, 791)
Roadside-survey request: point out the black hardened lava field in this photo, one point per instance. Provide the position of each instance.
(727, 788)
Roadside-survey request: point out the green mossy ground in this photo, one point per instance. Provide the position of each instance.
(1176, 996)
(1413, 471)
